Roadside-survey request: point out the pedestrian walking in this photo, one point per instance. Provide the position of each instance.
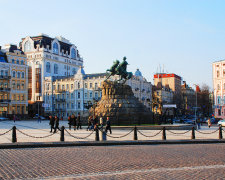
(89, 123)
(92, 122)
(39, 119)
(209, 123)
(51, 122)
(95, 121)
(56, 123)
(74, 121)
(108, 126)
(14, 118)
(199, 123)
(61, 118)
(78, 122)
(101, 123)
(70, 122)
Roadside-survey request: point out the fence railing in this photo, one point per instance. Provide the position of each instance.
(103, 135)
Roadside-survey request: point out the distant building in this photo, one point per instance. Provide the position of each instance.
(173, 80)
(219, 88)
(13, 82)
(79, 92)
(48, 57)
(162, 95)
(188, 99)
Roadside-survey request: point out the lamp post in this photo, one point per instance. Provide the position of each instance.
(196, 101)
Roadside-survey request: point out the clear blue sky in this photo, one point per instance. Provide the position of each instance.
(183, 35)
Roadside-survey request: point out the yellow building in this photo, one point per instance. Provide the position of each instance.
(14, 81)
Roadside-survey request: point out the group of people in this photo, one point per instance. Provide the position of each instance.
(74, 121)
(94, 122)
(54, 123)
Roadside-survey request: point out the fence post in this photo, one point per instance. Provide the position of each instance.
(14, 139)
(96, 134)
(220, 133)
(164, 133)
(62, 134)
(193, 133)
(135, 133)
(102, 135)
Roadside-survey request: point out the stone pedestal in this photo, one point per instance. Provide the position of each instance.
(119, 103)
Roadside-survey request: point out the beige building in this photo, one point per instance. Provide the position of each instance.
(162, 95)
(14, 73)
(76, 94)
(173, 80)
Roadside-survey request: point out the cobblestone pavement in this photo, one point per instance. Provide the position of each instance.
(197, 161)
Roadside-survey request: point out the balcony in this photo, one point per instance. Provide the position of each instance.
(60, 90)
(4, 77)
(60, 100)
(5, 89)
(5, 100)
(60, 109)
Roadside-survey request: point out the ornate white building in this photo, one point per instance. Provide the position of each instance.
(48, 57)
(79, 92)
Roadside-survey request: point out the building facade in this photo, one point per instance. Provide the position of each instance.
(13, 82)
(219, 88)
(188, 99)
(48, 57)
(162, 95)
(76, 94)
(173, 80)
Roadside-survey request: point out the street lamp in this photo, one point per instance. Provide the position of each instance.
(196, 101)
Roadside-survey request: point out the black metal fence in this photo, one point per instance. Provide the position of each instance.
(101, 133)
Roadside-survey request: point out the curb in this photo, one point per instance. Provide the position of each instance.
(107, 143)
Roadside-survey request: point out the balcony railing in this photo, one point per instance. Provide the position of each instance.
(5, 89)
(60, 109)
(4, 77)
(60, 100)
(5, 100)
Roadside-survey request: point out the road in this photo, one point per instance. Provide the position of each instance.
(196, 161)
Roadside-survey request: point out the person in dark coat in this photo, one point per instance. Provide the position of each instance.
(95, 122)
(56, 124)
(73, 117)
(51, 123)
(78, 122)
(89, 123)
(108, 126)
(70, 122)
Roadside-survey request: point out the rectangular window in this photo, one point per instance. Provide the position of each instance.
(85, 85)
(90, 85)
(218, 73)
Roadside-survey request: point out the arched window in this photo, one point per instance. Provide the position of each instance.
(14, 74)
(17, 61)
(27, 46)
(18, 74)
(73, 53)
(13, 61)
(78, 95)
(48, 67)
(55, 68)
(55, 48)
(22, 62)
(22, 74)
(78, 85)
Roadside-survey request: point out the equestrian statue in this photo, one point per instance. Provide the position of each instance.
(120, 69)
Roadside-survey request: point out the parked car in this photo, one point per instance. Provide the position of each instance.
(189, 121)
(3, 119)
(221, 123)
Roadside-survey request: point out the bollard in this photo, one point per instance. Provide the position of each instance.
(220, 133)
(164, 133)
(102, 136)
(193, 133)
(96, 134)
(14, 139)
(62, 134)
(135, 133)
